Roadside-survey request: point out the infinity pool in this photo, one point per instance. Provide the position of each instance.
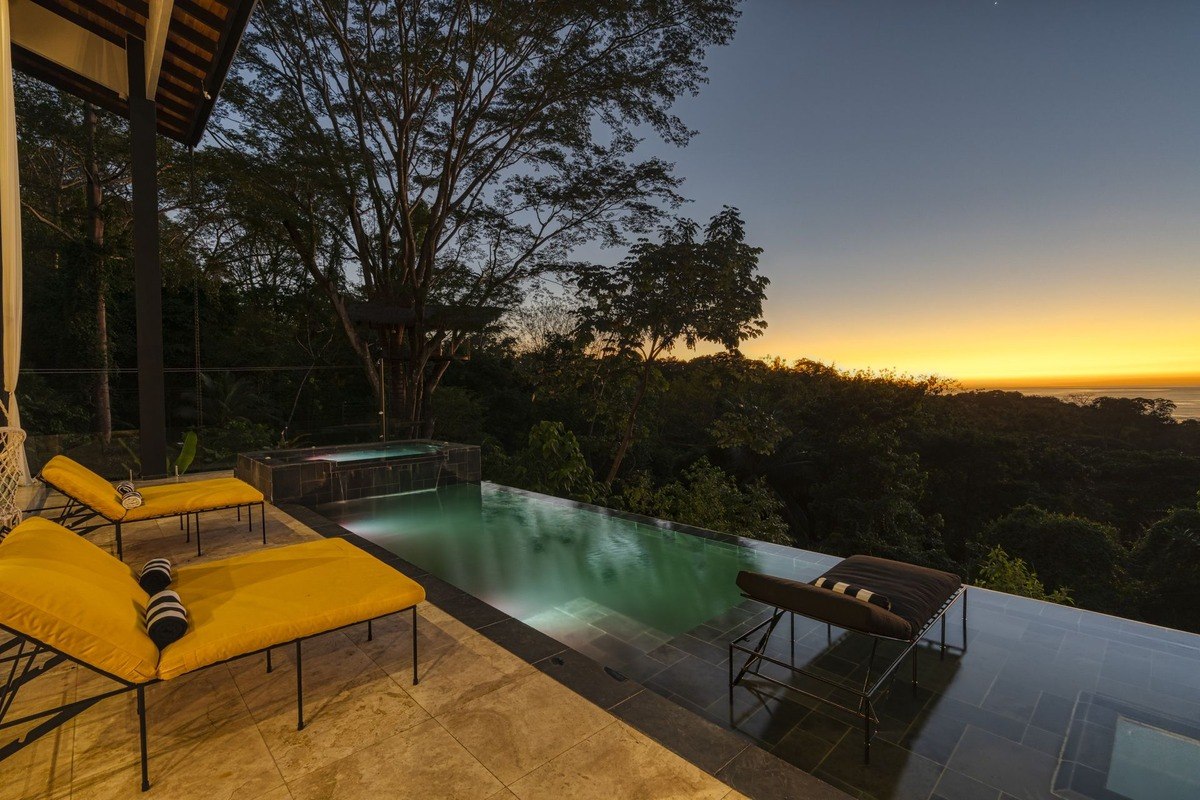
(569, 571)
(1048, 701)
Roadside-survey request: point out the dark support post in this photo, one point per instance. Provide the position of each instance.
(415, 679)
(299, 691)
(152, 414)
(117, 533)
(268, 659)
(370, 632)
(262, 519)
(198, 534)
(964, 599)
(141, 708)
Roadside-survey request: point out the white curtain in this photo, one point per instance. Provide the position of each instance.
(10, 228)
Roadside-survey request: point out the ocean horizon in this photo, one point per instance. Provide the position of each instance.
(1185, 398)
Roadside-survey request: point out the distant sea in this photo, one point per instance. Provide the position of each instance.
(1185, 398)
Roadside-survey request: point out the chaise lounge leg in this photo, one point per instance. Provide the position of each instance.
(964, 599)
(867, 733)
(141, 707)
(268, 659)
(188, 518)
(370, 632)
(262, 519)
(415, 678)
(198, 534)
(299, 691)
(120, 549)
(239, 517)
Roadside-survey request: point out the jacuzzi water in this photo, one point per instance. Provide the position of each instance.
(377, 452)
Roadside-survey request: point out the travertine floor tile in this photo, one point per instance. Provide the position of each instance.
(41, 770)
(524, 724)
(351, 717)
(461, 672)
(616, 763)
(422, 762)
(228, 761)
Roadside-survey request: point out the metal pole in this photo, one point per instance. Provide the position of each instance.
(143, 124)
(383, 426)
(141, 709)
(415, 678)
(964, 599)
(299, 691)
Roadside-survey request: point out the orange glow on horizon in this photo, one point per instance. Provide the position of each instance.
(1072, 348)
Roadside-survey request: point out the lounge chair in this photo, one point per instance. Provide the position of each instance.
(64, 599)
(91, 498)
(918, 597)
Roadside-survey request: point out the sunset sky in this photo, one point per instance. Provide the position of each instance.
(1002, 192)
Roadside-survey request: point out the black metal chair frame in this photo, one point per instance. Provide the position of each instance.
(866, 693)
(20, 668)
(78, 517)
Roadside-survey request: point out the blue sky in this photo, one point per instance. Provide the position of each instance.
(978, 189)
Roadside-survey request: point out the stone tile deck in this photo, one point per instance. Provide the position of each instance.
(483, 723)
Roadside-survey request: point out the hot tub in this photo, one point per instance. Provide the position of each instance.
(315, 475)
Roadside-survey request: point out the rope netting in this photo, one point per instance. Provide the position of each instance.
(11, 440)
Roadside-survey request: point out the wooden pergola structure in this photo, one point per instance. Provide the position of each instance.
(161, 65)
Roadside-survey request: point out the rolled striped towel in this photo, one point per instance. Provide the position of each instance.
(129, 495)
(156, 575)
(857, 592)
(166, 618)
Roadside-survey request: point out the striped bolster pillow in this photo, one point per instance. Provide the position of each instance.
(857, 592)
(166, 619)
(156, 575)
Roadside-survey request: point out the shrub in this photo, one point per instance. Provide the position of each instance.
(1003, 573)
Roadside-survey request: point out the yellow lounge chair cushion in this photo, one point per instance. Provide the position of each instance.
(161, 500)
(69, 594)
(168, 499)
(249, 602)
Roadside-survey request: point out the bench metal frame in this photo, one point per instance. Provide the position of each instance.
(868, 691)
(83, 519)
(22, 666)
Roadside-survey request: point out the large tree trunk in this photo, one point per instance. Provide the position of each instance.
(95, 241)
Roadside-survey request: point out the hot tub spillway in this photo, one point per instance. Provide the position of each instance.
(311, 476)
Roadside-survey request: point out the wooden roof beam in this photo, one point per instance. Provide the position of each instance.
(157, 23)
(62, 42)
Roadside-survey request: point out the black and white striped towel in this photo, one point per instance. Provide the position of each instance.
(857, 592)
(166, 618)
(156, 575)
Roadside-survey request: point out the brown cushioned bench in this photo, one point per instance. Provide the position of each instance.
(916, 598)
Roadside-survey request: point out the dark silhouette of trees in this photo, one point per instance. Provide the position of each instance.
(441, 154)
(681, 288)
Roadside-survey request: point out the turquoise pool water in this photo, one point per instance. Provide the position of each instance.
(370, 453)
(566, 570)
(1149, 763)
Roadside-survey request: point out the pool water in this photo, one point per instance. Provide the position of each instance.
(378, 452)
(1149, 763)
(568, 571)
